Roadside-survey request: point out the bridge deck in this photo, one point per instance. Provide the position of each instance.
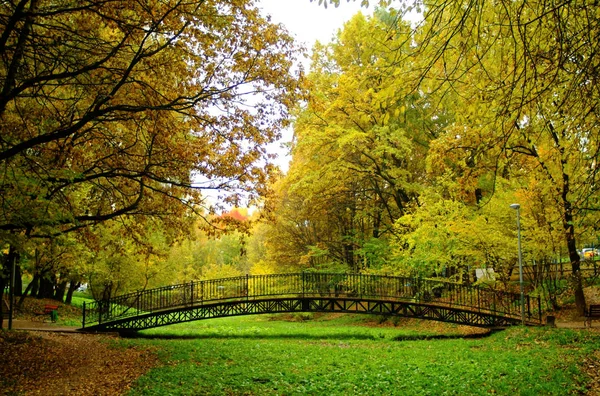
(311, 292)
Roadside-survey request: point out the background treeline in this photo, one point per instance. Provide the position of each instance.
(411, 140)
(119, 119)
(417, 137)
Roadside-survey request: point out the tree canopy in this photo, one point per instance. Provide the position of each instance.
(438, 125)
(110, 108)
(413, 140)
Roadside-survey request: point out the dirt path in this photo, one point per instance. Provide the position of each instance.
(57, 363)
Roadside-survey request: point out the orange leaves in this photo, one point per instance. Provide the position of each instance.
(69, 364)
(118, 105)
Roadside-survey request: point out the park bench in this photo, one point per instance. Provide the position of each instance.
(592, 312)
(50, 309)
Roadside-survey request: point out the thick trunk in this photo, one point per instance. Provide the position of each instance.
(72, 287)
(46, 288)
(60, 290)
(573, 256)
(349, 256)
(577, 281)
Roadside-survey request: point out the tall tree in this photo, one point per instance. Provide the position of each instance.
(361, 142)
(110, 108)
(526, 74)
(450, 236)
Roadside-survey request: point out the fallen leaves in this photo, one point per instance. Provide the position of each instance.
(590, 366)
(75, 364)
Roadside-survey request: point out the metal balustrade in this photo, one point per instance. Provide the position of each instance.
(434, 294)
(589, 269)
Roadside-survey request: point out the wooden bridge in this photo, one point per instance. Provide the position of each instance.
(310, 292)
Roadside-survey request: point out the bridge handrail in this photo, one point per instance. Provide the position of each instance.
(310, 284)
(588, 269)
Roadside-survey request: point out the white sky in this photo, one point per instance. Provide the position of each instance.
(309, 22)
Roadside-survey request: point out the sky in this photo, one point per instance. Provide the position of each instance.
(307, 22)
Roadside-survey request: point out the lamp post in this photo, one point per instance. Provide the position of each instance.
(517, 207)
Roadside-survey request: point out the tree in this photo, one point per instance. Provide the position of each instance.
(448, 236)
(57, 266)
(360, 146)
(202, 254)
(111, 108)
(526, 76)
(295, 232)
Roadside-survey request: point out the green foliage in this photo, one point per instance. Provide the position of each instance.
(127, 255)
(373, 253)
(525, 110)
(204, 257)
(360, 148)
(445, 236)
(428, 132)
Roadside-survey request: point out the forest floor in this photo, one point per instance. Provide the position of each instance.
(45, 358)
(57, 363)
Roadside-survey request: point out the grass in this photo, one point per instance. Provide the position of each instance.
(68, 315)
(344, 355)
(79, 298)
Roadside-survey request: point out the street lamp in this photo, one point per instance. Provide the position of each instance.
(517, 207)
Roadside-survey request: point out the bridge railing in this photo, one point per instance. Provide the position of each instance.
(313, 285)
(589, 269)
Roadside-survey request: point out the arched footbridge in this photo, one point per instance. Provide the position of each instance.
(311, 292)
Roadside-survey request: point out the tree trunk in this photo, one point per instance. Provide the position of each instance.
(5, 279)
(60, 289)
(27, 290)
(35, 285)
(18, 278)
(573, 257)
(2, 286)
(46, 288)
(72, 287)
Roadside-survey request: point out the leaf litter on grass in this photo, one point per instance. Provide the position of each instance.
(73, 364)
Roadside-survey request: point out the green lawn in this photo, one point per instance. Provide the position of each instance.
(342, 356)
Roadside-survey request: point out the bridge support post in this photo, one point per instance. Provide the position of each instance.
(305, 305)
(303, 290)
